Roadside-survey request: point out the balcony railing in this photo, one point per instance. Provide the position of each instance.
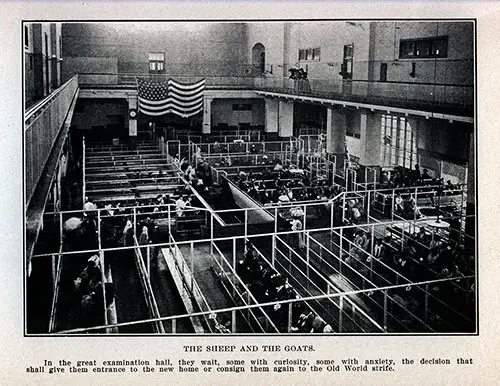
(42, 124)
(374, 92)
(428, 96)
(103, 80)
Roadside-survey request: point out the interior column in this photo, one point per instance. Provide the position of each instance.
(271, 119)
(132, 122)
(207, 116)
(335, 134)
(370, 137)
(285, 119)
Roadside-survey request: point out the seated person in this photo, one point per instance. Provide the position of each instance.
(180, 205)
(425, 175)
(183, 190)
(422, 237)
(89, 206)
(184, 165)
(361, 239)
(278, 167)
(355, 214)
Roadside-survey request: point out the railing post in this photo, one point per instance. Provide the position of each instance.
(135, 219)
(273, 252)
(275, 220)
(83, 171)
(393, 205)
(192, 267)
(416, 206)
(385, 311)
(148, 254)
(332, 205)
(169, 219)
(246, 223)
(61, 230)
(233, 321)
(290, 316)
(368, 204)
(103, 279)
(211, 234)
(304, 218)
(308, 236)
(341, 310)
(53, 273)
(340, 251)
(426, 303)
(99, 228)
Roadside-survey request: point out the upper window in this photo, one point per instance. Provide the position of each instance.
(26, 37)
(424, 48)
(310, 54)
(156, 61)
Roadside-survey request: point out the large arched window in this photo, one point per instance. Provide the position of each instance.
(259, 59)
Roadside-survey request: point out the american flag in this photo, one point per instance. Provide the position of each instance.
(158, 98)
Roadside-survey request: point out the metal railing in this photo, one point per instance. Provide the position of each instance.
(130, 79)
(42, 124)
(283, 303)
(436, 94)
(374, 91)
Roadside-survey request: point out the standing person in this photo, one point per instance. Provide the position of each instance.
(297, 227)
(144, 237)
(144, 240)
(398, 204)
(180, 205)
(128, 234)
(416, 173)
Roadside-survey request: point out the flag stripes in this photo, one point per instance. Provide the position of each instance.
(158, 98)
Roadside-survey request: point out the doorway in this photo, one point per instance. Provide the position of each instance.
(258, 59)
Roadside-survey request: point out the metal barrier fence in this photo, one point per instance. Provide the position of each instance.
(375, 226)
(42, 124)
(244, 150)
(435, 94)
(130, 79)
(174, 319)
(143, 265)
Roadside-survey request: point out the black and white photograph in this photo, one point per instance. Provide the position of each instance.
(250, 177)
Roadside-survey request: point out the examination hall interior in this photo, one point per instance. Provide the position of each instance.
(306, 177)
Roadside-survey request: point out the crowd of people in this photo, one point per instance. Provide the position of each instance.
(424, 256)
(267, 285)
(402, 177)
(93, 296)
(406, 207)
(297, 74)
(282, 183)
